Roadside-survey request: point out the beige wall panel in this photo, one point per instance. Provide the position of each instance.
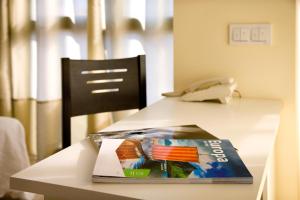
(202, 50)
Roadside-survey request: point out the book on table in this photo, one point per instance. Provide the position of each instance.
(159, 158)
(175, 132)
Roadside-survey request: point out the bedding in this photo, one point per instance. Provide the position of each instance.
(13, 154)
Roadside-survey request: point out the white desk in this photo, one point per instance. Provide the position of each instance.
(250, 124)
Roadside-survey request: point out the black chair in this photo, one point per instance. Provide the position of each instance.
(95, 86)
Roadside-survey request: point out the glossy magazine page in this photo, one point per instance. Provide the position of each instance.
(157, 160)
(170, 132)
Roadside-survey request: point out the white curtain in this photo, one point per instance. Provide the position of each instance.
(143, 27)
(79, 29)
(130, 27)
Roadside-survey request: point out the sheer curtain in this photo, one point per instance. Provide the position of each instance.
(140, 26)
(36, 34)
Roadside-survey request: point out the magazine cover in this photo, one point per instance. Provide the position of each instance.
(175, 132)
(158, 160)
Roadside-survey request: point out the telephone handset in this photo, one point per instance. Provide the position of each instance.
(209, 89)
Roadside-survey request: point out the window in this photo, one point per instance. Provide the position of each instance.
(130, 27)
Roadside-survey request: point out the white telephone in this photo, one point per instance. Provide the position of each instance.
(220, 89)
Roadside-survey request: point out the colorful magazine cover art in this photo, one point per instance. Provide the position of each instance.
(180, 158)
(169, 132)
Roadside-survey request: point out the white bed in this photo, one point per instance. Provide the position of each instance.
(13, 153)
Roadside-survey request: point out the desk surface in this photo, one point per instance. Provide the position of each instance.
(250, 124)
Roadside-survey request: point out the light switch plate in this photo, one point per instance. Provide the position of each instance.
(250, 34)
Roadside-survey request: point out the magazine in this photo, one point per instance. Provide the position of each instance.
(160, 160)
(175, 132)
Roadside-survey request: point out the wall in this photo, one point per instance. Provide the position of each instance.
(202, 51)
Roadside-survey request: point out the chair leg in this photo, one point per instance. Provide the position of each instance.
(66, 136)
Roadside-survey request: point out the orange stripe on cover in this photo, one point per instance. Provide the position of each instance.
(175, 153)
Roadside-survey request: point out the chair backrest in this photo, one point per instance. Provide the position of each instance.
(95, 86)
